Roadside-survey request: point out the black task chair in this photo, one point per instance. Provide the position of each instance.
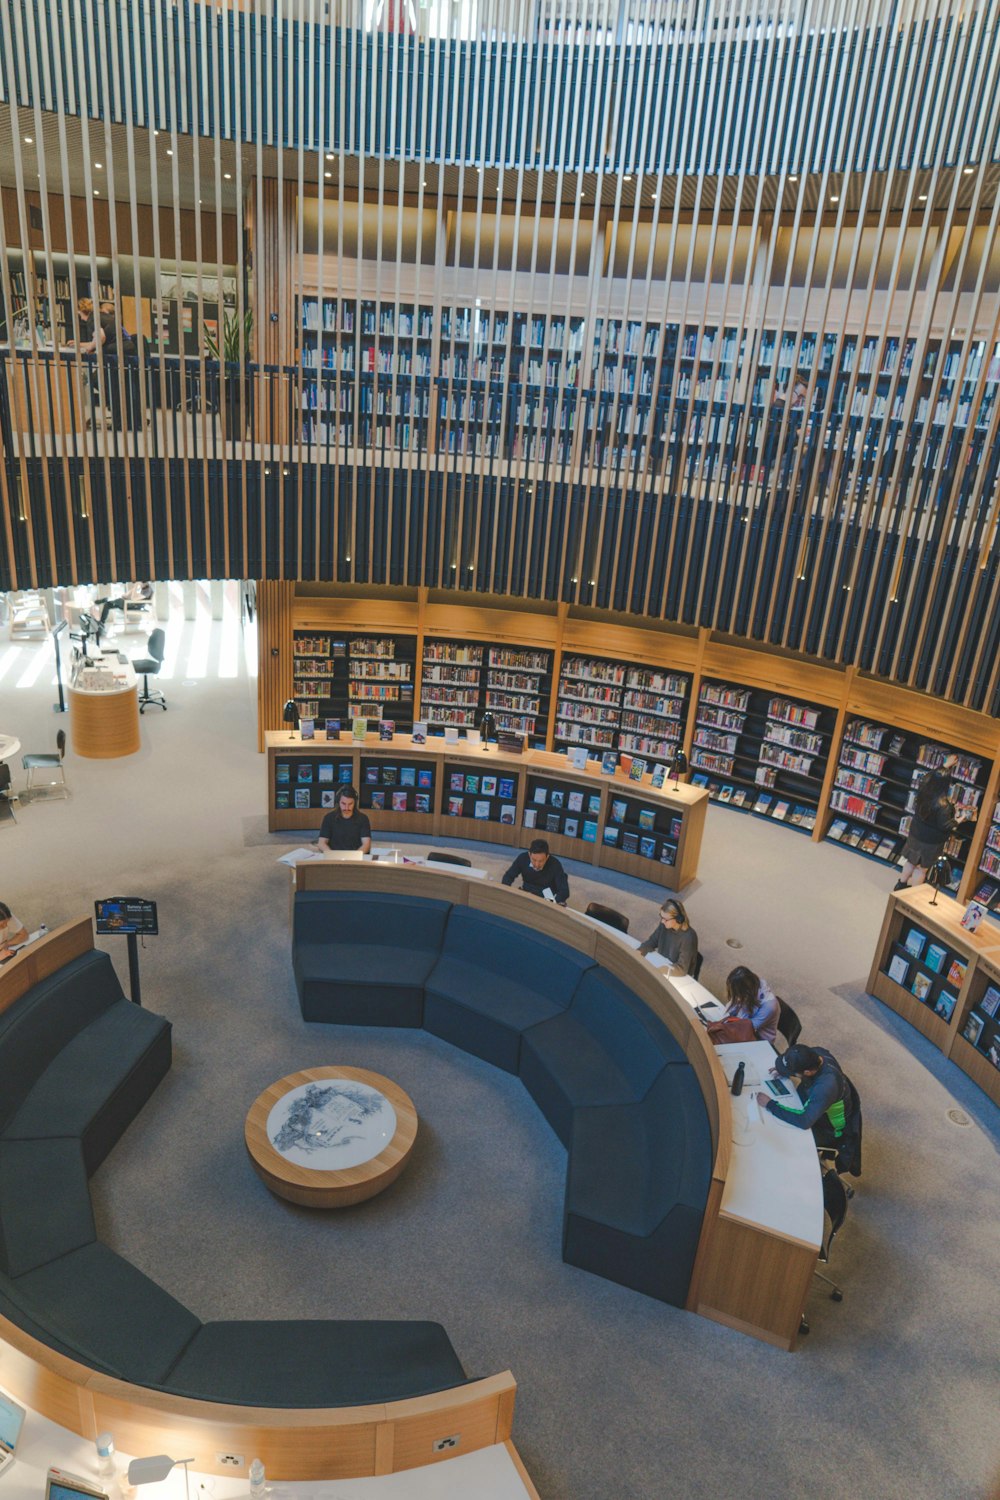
(699, 959)
(835, 1196)
(149, 666)
(51, 786)
(845, 1156)
(608, 915)
(788, 1023)
(6, 795)
(449, 859)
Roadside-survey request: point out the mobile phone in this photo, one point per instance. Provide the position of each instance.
(776, 1086)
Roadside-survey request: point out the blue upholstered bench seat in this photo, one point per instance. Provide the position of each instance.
(316, 1363)
(493, 981)
(45, 1209)
(606, 1048)
(363, 960)
(637, 1183)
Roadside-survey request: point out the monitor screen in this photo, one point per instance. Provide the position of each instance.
(117, 915)
(11, 1421)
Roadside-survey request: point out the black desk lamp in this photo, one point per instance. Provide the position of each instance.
(487, 727)
(678, 765)
(939, 875)
(290, 715)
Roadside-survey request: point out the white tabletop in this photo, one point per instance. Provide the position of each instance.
(9, 746)
(488, 1474)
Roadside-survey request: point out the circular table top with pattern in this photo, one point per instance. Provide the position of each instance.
(330, 1137)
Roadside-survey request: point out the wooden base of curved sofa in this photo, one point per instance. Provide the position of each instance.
(333, 1443)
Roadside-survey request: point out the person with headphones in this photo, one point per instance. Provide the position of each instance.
(673, 938)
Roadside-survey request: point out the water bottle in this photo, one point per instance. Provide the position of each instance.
(105, 1455)
(737, 1086)
(257, 1485)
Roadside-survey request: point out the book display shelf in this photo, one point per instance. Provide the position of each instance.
(380, 679)
(874, 788)
(566, 811)
(518, 685)
(613, 705)
(451, 684)
(442, 790)
(319, 684)
(761, 752)
(943, 979)
(987, 888)
(654, 708)
(472, 796)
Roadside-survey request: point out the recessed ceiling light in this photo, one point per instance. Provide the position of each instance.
(923, 197)
(97, 192)
(229, 176)
(156, 132)
(169, 151)
(792, 177)
(99, 166)
(967, 171)
(834, 198)
(329, 156)
(626, 179)
(27, 140)
(424, 183)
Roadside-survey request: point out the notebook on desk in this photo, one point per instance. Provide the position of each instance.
(11, 1424)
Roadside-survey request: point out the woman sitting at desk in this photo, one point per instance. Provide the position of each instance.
(346, 827)
(673, 938)
(12, 932)
(752, 998)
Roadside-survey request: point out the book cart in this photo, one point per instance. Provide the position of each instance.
(407, 787)
(943, 979)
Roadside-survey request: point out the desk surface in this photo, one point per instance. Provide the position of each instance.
(9, 746)
(122, 674)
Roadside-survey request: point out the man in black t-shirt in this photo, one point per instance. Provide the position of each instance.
(540, 871)
(346, 827)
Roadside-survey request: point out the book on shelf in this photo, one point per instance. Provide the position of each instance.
(344, 772)
(541, 795)
(530, 819)
(481, 809)
(456, 807)
(659, 775)
(399, 802)
(408, 776)
(589, 832)
(577, 757)
(451, 734)
(853, 837)
(324, 773)
(371, 775)
(973, 915)
(328, 799)
(456, 781)
(956, 972)
(552, 822)
(668, 854)
(935, 956)
(594, 804)
(386, 729)
(574, 802)
(359, 729)
(422, 802)
(390, 775)
(282, 773)
(282, 799)
(637, 769)
(726, 795)
(973, 1028)
(647, 847)
(378, 800)
(944, 1005)
(488, 786)
(419, 735)
(557, 797)
(886, 849)
(571, 828)
(630, 842)
(899, 969)
(921, 986)
(915, 941)
(990, 1002)
(610, 833)
(507, 813)
(472, 784)
(647, 819)
(763, 803)
(302, 795)
(505, 786)
(304, 775)
(425, 777)
(609, 761)
(868, 843)
(780, 810)
(307, 729)
(507, 741)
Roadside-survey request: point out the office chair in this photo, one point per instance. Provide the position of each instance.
(449, 859)
(699, 959)
(608, 915)
(788, 1022)
(47, 762)
(7, 797)
(845, 1156)
(149, 666)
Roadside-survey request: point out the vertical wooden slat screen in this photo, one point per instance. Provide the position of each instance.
(713, 294)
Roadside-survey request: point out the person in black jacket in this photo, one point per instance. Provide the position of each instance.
(540, 871)
(934, 820)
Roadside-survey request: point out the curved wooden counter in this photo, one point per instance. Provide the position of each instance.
(105, 724)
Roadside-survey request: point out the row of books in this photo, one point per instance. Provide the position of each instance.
(377, 773)
(765, 804)
(306, 797)
(483, 809)
(982, 1025)
(400, 801)
(882, 846)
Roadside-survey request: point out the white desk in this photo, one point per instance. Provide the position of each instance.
(488, 1474)
(9, 746)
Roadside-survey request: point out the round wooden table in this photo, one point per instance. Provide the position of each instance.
(330, 1137)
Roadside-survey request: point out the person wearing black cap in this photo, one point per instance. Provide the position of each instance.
(823, 1088)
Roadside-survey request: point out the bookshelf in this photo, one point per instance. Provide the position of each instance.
(588, 709)
(380, 671)
(398, 791)
(565, 811)
(305, 783)
(517, 689)
(654, 708)
(987, 889)
(451, 687)
(943, 979)
(473, 796)
(761, 752)
(638, 832)
(319, 681)
(878, 771)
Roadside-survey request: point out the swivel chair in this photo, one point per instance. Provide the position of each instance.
(788, 1022)
(699, 959)
(51, 763)
(7, 796)
(608, 915)
(149, 666)
(835, 1196)
(449, 859)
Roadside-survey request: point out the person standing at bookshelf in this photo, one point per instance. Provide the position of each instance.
(934, 820)
(540, 871)
(345, 828)
(673, 938)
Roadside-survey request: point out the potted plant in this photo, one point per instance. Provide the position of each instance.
(233, 356)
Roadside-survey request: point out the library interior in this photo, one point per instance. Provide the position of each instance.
(448, 444)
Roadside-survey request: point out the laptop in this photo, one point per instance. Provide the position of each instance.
(343, 856)
(11, 1423)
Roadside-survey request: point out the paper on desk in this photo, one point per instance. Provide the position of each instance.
(296, 856)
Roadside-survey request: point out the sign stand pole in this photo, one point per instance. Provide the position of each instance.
(133, 969)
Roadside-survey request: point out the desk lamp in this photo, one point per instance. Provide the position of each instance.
(939, 875)
(152, 1470)
(290, 714)
(678, 765)
(487, 727)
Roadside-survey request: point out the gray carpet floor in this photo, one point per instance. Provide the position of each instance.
(893, 1394)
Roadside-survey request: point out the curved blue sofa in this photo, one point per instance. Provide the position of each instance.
(78, 1061)
(605, 1071)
